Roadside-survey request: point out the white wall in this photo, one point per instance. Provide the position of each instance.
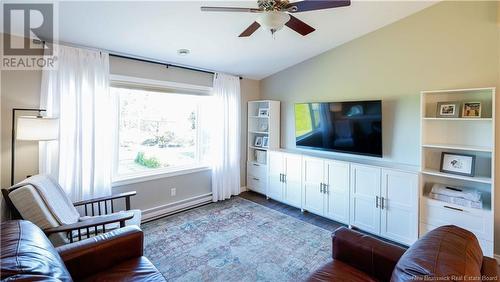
(22, 89)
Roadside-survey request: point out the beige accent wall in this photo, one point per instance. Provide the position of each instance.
(446, 46)
(497, 143)
(22, 89)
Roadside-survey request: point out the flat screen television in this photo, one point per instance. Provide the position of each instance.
(346, 127)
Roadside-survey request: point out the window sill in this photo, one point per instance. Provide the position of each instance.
(164, 173)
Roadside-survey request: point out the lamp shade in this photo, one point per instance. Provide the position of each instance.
(37, 128)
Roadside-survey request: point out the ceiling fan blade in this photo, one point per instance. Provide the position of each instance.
(299, 26)
(230, 9)
(250, 30)
(311, 5)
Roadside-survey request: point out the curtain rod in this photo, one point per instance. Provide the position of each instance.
(123, 56)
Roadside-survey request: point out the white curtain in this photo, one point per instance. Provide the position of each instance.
(77, 92)
(225, 137)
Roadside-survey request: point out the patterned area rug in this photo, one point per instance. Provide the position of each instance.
(235, 240)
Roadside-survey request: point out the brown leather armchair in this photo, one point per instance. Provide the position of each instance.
(446, 252)
(28, 255)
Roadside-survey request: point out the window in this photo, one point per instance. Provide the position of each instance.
(157, 131)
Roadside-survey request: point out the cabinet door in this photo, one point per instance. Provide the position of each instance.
(313, 177)
(293, 180)
(274, 185)
(400, 206)
(365, 188)
(337, 190)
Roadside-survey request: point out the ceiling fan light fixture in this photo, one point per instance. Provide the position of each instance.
(273, 20)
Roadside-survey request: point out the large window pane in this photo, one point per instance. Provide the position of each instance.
(157, 130)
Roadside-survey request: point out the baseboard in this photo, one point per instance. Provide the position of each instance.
(175, 207)
(243, 189)
(497, 257)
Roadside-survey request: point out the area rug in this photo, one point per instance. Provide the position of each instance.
(235, 240)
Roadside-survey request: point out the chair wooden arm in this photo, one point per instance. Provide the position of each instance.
(105, 200)
(91, 223)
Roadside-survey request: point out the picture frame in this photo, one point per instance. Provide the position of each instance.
(459, 164)
(448, 110)
(263, 112)
(258, 141)
(265, 142)
(471, 110)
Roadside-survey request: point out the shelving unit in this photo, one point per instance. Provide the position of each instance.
(261, 126)
(470, 136)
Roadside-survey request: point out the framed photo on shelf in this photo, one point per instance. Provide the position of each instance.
(448, 109)
(263, 112)
(258, 141)
(265, 142)
(459, 164)
(471, 110)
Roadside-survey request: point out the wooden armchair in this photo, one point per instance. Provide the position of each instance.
(24, 202)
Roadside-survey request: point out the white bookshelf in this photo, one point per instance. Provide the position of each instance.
(260, 126)
(462, 135)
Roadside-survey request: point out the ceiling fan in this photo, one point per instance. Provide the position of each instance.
(277, 13)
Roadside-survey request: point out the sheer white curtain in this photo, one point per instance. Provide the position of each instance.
(77, 92)
(225, 137)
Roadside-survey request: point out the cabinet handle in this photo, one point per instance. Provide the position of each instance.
(376, 202)
(281, 177)
(256, 164)
(452, 208)
(325, 188)
(256, 179)
(284, 178)
(382, 202)
(321, 187)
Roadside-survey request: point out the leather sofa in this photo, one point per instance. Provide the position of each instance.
(28, 255)
(448, 253)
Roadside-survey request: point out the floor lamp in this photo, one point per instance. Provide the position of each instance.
(31, 128)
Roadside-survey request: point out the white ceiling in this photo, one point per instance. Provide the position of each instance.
(158, 29)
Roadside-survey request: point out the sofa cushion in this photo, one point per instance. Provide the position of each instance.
(444, 252)
(28, 254)
(137, 269)
(336, 270)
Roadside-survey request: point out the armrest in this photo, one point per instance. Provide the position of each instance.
(102, 252)
(112, 197)
(489, 269)
(368, 254)
(93, 222)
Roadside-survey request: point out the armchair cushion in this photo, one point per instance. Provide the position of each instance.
(31, 207)
(137, 269)
(53, 196)
(27, 254)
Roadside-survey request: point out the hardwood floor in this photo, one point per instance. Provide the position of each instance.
(319, 221)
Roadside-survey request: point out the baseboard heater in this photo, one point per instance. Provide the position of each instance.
(175, 207)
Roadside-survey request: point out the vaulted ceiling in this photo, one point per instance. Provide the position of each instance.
(158, 29)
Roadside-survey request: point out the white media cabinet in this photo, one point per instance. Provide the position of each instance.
(376, 199)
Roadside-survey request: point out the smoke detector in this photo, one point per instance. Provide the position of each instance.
(183, 52)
